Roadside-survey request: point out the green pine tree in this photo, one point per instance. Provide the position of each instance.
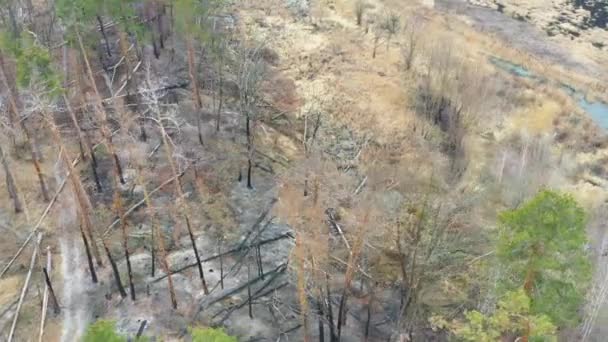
(542, 244)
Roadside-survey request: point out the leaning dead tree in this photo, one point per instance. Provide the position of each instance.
(161, 117)
(82, 198)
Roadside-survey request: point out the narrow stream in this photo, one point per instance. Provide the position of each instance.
(598, 110)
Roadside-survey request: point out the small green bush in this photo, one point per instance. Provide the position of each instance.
(210, 335)
(103, 331)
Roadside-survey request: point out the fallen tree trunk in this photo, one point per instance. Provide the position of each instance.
(24, 288)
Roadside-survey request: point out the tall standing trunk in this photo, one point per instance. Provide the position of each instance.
(36, 160)
(196, 97)
(89, 258)
(333, 337)
(164, 263)
(181, 204)
(84, 203)
(249, 299)
(115, 272)
(196, 255)
(220, 88)
(13, 113)
(159, 25)
(10, 183)
(100, 110)
(320, 313)
(125, 236)
(14, 109)
(249, 152)
(81, 140)
(105, 37)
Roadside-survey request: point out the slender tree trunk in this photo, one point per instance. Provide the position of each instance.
(249, 300)
(164, 263)
(117, 280)
(89, 258)
(84, 203)
(320, 318)
(369, 313)
(220, 88)
(249, 152)
(196, 97)
(182, 205)
(152, 252)
(301, 285)
(14, 108)
(93, 164)
(125, 234)
(105, 37)
(161, 37)
(13, 113)
(259, 261)
(105, 132)
(10, 183)
(81, 140)
(249, 170)
(341, 312)
(47, 279)
(219, 252)
(330, 312)
(196, 255)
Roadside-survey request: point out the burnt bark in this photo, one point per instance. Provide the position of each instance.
(89, 257)
(197, 256)
(10, 183)
(117, 280)
(103, 34)
(56, 308)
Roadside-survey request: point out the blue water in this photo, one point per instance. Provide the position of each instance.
(598, 110)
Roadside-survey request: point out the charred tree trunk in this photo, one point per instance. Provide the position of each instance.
(196, 255)
(330, 312)
(35, 159)
(249, 300)
(220, 89)
(249, 151)
(161, 243)
(369, 313)
(14, 109)
(89, 258)
(81, 140)
(103, 34)
(152, 252)
(13, 113)
(47, 279)
(103, 117)
(84, 204)
(117, 280)
(10, 183)
(196, 97)
(321, 314)
(219, 252)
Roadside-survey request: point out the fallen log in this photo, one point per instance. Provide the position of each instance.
(24, 288)
(238, 249)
